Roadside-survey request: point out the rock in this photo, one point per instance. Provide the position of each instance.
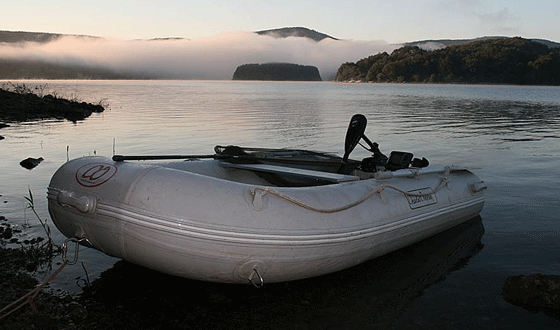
(7, 233)
(30, 163)
(535, 292)
(77, 311)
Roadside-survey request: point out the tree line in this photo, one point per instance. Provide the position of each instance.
(497, 61)
(277, 71)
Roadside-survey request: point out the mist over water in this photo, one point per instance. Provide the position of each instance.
(214, 57)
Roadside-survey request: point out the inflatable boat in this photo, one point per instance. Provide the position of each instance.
(259, 215)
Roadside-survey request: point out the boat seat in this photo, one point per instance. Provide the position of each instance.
(310, 174)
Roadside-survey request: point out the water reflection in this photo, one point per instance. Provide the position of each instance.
(370, 295)
(528, 121)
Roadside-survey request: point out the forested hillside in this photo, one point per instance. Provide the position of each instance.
(36, 69)
(498, 61)
(277, 71)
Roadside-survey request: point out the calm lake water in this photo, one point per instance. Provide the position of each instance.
(508, 135)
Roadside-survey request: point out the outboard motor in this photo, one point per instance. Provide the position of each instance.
(354, 134)
(396, 161)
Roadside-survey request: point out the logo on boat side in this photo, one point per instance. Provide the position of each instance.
(93, 175)
(422, 197)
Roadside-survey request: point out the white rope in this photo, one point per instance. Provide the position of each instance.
(30, 296)
(371, 193)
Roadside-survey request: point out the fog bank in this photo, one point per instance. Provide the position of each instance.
(214, 57)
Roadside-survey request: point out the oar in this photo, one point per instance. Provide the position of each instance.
(120, 158)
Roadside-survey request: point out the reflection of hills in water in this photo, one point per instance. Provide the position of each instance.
(373, 294)
(533, 121)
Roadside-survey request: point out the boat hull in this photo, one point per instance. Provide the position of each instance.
(187, 219)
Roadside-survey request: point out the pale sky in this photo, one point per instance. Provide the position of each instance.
(393, 21)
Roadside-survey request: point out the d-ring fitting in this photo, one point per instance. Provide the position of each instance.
(65, 249)
(259, 284)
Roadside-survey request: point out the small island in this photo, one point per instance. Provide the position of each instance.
(277, 72)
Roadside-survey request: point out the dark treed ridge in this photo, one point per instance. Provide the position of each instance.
(295, 32)
(497, 61)
(277, 71)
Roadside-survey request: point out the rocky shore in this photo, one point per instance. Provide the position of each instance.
(24, 107)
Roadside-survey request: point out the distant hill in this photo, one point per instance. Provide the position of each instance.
(277, 71)
(295, 32)
(37, 69)
(442, 43)
(40, 37)
(497, 61)
(166, 39)
(40, 69)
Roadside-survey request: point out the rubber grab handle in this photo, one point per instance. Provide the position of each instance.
(84, 204)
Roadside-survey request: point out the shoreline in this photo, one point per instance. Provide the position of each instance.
(18, 103)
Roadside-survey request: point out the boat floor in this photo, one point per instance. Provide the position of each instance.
(262, 174)
(291, 171)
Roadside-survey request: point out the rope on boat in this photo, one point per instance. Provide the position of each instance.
(31, 295)
(374, 191)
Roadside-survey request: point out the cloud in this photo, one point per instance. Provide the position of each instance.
(501, 21)
(215, 57)
(431, 45)
(488, 17)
